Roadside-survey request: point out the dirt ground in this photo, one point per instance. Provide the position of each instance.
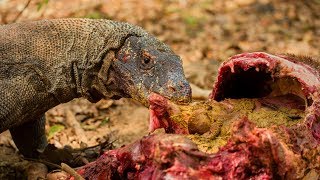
(203, 33)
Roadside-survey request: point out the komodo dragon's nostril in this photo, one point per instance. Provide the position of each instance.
(171, 88)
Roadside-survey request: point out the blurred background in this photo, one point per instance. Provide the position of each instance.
(202, 32)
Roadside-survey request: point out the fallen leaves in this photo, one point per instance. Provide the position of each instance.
(53, 130)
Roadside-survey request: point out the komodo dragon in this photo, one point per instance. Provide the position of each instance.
(49, 62)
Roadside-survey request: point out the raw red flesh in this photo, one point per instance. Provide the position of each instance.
(278, 66)
(159, 115)
(250, 153)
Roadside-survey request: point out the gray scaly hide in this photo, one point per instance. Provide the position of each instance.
(45, 63)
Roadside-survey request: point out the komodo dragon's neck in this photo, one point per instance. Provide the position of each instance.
(45, 63)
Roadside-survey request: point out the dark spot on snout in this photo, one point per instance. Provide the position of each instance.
(184, 84)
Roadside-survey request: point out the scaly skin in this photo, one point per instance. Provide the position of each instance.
(45, 63)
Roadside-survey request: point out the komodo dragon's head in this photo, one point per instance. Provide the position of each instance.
(143, 65)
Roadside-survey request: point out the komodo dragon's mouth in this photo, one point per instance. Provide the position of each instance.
(273, 81)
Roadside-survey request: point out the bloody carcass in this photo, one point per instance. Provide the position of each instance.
(261, 121)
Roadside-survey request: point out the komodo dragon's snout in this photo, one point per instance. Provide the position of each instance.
(141, 67)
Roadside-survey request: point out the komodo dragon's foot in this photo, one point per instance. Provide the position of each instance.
(32, 143)
(53, 156)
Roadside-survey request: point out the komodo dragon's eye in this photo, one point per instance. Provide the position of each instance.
(147, 61)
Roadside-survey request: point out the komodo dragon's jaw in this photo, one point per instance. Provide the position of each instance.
(142, 66)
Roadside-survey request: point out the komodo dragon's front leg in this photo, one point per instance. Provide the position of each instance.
(45, 63)
(30, 138)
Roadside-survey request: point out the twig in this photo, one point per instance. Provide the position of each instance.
(71, 171)
(43, 162)
(20, 13)
(72, 121)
